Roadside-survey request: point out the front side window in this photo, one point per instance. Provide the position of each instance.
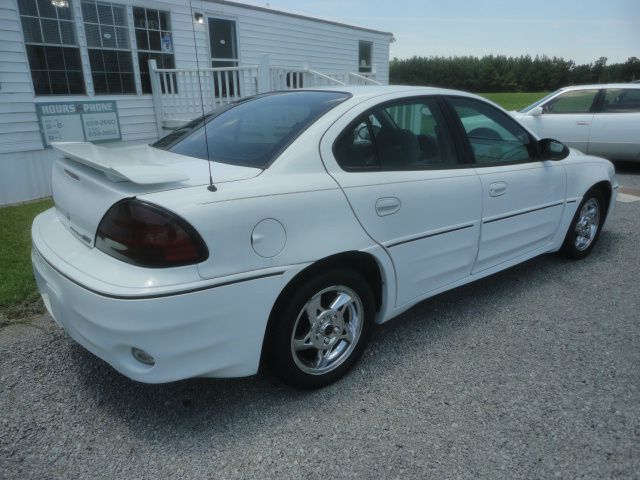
(578, 101)
(365, 56)
(52, 48)
(404, 135)
(154, 42)
(251, 132)
(624, 100)
(495, 138)
(109, 49)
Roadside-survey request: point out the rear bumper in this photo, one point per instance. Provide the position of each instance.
(216, 331)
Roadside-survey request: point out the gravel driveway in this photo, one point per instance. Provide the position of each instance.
(531, 373)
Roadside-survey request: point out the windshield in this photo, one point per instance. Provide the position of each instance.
(251, 132)
(539, 102)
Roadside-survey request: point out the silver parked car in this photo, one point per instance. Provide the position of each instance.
(602, 120)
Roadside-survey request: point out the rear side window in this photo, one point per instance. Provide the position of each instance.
(625, 100)
(578, 101)
(495, 138)
(407, 135)
(251, 133)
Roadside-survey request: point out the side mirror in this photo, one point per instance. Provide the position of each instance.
(550, 149)
(535, 111)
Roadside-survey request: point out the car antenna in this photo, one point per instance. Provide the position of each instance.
(211, 187)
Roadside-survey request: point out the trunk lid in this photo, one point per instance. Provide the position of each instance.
(88, 179)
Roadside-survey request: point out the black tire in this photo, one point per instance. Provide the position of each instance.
(569, 247)
(292, 314)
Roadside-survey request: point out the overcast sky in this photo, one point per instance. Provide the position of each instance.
(580, 30)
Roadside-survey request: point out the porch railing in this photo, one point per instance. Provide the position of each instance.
(180, 95)
(362, 79)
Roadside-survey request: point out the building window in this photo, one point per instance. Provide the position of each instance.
(52, 49)
(364, 56)
(154, 42)
(105, 26)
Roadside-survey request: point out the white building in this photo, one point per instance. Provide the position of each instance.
(75, 70)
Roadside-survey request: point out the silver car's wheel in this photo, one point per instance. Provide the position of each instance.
(587, 224)
(327, 329)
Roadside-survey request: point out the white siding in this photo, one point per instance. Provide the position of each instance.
(292, 41)
(19, 130)
(289, 41)
(17, 99)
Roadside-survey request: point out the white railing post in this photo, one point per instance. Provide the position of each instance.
(304, 76)
(264, 74)
(156, 93)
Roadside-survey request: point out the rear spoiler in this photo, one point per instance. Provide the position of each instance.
(137, 169)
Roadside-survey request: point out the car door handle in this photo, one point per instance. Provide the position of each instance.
(582, 123)
(387, 206)
(498, 188)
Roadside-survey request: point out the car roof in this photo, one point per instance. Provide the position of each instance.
(362, 92)
(600, 85)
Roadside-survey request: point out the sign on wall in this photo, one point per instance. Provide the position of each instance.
(78, 121)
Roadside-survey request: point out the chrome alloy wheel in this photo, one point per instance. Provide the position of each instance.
(327, 330)
(587, 224)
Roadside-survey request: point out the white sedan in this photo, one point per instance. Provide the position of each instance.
(596, 119)
(328, 211)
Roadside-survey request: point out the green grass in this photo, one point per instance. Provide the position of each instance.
(514, 101)
(18, 294)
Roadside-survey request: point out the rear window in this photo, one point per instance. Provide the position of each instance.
(252, 132)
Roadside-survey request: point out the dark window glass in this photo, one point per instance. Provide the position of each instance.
(163, 61)
(37, 57)
(294, 79)
(109, 48)
(44, 23)
(67, 33)
(50, 40)
(142, 39)
(28, 7)
(105, 14)
(399, 136)
(55, 70)
(154, 42)
(31, 30)
(578, 101)
(55, 57)
(365, 55)
(64, 13)
(164, 20)
(50, 32)
(89, 12)
(254, 131)
(41, 83)
(119, 15)
(224, 53)
(626, 100)
(117, 66)
(99, 81)
(46, 9)
(494, 136)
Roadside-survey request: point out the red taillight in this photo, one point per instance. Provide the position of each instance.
(149, 236)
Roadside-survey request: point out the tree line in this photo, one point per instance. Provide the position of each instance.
(498, 73)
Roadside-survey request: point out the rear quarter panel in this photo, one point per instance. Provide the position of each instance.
(313, 211)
